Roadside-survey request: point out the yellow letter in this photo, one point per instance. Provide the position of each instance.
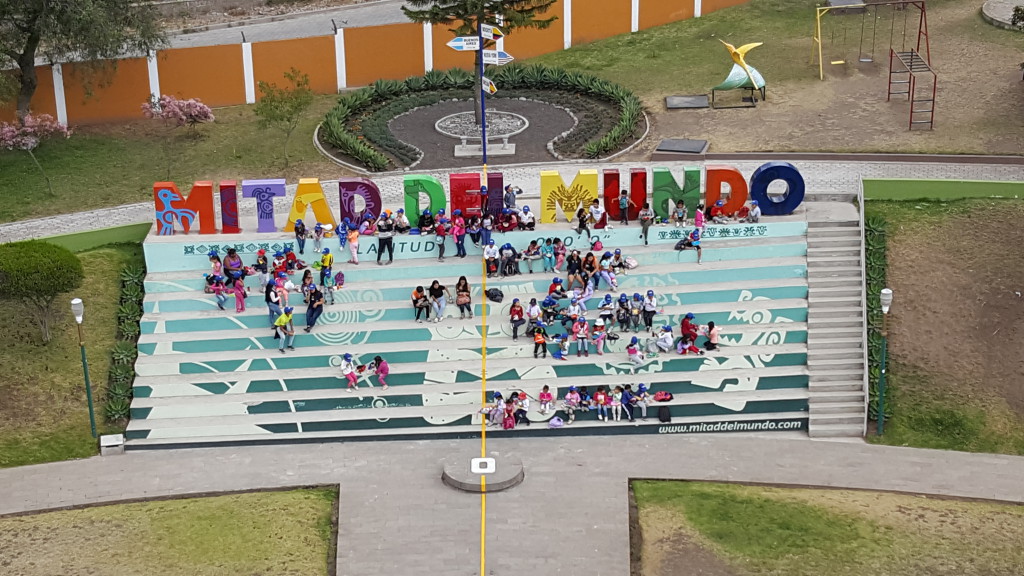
(310, 194)
(555, 194)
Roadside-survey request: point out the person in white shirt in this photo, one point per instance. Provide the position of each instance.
(666, 340)
(650, 309)
(491, 256)
(596, 213)
(533, 313)
(401, 222)
(527, 221)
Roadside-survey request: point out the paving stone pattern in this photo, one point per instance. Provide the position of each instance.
(398, 518)
(821, 178)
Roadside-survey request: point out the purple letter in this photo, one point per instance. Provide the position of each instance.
(264, 192)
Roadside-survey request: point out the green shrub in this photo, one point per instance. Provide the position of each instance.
(130, 311)
(119, 391)
(128, 330)
(133, 274)
(875, 274)
(131, 293)
(122, 374)
(36, 273)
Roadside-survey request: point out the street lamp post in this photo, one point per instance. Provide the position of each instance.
(885, 298)
(78, 310)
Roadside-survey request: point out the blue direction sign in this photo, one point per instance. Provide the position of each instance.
(465, 43)
(499, 57)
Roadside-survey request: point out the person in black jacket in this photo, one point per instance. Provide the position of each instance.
(426, 223)
(385, 237)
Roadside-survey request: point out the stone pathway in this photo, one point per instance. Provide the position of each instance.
(1000, 12)
(570, 515)
(302, 25)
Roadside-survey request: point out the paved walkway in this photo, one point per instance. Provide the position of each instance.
(302, 25)
(398, 518)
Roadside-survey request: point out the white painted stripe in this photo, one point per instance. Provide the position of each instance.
(339, 58)
(567, 24)
(58, 94)
(250, 78)
(634, 17)
(154, 75)
(428, 47)
(696, 8)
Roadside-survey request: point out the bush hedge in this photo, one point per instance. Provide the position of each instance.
(875, 243)
(357, 125)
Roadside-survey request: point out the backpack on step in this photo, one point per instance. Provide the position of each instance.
(664, 415)
(495, 295)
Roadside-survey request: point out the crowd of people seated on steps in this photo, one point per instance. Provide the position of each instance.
(610, 405)
(227, 277)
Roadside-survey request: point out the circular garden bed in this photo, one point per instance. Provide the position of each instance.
(602, 118)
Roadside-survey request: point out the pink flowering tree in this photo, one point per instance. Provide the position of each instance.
(33, 130)
(176, 113)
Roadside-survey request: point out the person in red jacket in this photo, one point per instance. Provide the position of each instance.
(718, 215)
(689, 328)
(555, 290)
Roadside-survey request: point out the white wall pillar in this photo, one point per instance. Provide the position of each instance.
(634, 16)
(339, 59)
(499, 44)
(696, 8)
(250, 78)
(428, 47)
(567, 24)
(154, 75)
(58, 94)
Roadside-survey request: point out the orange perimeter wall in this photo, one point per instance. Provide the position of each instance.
(597, 19)
(530, 42)
(43, 101)
(116, 97)
(220, 80)
(658, 12)
(394, 51)
(313, 56)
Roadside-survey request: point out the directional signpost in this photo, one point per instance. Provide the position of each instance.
(465, 43)
(495, 57)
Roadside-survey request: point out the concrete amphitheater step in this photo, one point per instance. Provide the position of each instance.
(580, 426)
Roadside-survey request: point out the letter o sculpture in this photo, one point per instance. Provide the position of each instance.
(790, 200)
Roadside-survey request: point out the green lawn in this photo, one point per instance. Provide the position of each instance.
(241, 534)
(117, 164)
(755, 530)
(687, 57)
(963, 398)
(44, 415)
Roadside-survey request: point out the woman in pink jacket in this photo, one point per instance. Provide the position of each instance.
(381, 369)
(459, 233)
(581, 333)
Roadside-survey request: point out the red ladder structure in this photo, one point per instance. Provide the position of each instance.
(911, 73)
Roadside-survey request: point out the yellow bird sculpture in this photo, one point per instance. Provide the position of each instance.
(738, 54)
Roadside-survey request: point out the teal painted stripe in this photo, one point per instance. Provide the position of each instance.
(328, 426)
(140, 413)
(231, 321)
(142, 391)
(136, 434)
(280, 428)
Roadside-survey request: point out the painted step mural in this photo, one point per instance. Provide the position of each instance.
(206, 376)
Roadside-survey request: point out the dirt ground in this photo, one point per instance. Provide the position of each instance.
(191, 17)
(979, 106)
(960, 310)
(928, 536)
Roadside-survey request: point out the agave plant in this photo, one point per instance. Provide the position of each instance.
(118, 409)
(122, 373)
(128, 330)
(119, 390)
(124, 353)
(435, 80)
(460, 78)
(131, 293)
(415, 83)
(133, 274)
(129, 310)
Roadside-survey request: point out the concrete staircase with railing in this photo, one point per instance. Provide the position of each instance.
(835, 324)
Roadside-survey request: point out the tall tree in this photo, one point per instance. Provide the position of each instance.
(80, 30)
(465, 17)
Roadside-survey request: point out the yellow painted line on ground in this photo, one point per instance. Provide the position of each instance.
(483, 402)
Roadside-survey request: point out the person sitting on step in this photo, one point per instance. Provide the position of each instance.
(527, 220)
(750, 213)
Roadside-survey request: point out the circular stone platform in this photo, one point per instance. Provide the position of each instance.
(507, 474)
(499, 124)
(1000, 12)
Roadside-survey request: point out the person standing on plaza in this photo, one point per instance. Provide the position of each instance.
(459, 233)
(353, 244)
(650, 309)
(262, 267)
(326, 262)
(624, 203)
(516, 316)
(285, 329)
(239, 287)
(385, 238)
(646, 219)
(348, 370)
(300, 236)
(440, 234)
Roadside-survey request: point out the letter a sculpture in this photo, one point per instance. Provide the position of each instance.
(742, 75)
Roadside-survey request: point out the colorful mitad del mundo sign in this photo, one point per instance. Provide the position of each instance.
(467, 193)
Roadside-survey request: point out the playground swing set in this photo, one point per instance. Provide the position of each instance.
(910, 70)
